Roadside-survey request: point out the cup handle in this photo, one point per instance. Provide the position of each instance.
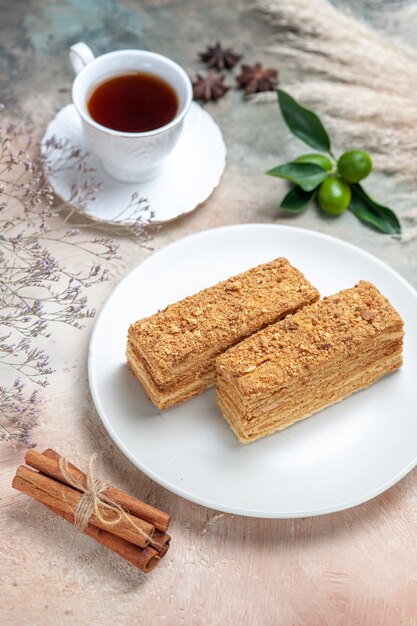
(80, 55)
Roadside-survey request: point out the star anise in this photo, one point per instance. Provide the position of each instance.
(209, 87)
(255, 78)
(220, 58)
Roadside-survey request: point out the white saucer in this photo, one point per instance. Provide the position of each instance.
(189, 175)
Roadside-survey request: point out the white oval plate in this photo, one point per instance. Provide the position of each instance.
(188, 177)
(336, 459)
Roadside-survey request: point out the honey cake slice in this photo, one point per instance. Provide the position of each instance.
(173, 352)
(312, 359)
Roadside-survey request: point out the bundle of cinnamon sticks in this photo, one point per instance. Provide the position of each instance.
(138, 534)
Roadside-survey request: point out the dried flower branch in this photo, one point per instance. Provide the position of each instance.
(36, 288)
(19, 414)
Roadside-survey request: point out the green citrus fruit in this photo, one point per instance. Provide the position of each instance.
(317, 159)
(354, 165)
(334, 195)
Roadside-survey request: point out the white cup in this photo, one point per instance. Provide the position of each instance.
(129, 157)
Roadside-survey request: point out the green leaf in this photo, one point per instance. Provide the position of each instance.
(303, 123)
(307, 175)
(297, 200)
(366, 215)
(371, 212)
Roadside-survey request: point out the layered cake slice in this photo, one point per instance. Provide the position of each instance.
(173, 352)
(308, 361)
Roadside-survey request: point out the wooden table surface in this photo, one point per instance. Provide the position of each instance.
(354, 567)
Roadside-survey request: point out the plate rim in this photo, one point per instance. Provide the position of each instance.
(177, 490)
(155, 222)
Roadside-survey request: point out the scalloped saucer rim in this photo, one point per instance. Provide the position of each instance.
(189, 176)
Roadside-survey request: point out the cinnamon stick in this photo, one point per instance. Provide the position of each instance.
(48, 463)
(64, 498)
(160, 541)
(143, 558)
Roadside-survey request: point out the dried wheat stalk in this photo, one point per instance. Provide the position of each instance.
(354, 75)
(364, 83)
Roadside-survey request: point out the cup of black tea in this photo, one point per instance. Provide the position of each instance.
(132, 105)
